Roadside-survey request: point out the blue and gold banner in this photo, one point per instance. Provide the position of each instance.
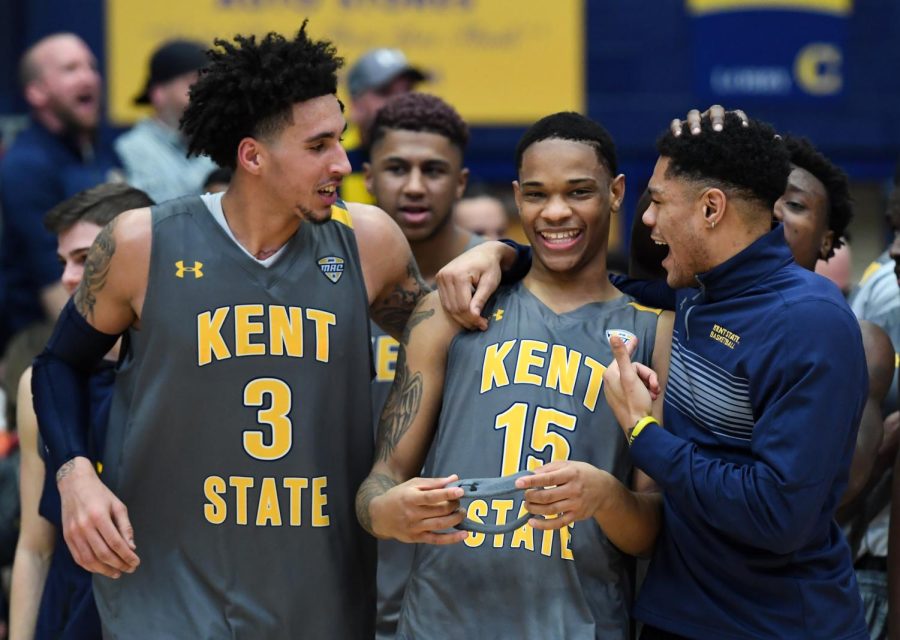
(790, 50)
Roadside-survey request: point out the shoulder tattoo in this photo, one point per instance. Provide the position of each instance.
(96, 270)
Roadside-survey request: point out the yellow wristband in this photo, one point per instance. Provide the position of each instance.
(643, 422)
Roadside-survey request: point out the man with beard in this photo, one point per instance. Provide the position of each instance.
(61, 153)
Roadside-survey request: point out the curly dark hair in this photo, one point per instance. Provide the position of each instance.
(249, 87)
(421, 112)
(568, 125)
(750, 162)
(837, 186)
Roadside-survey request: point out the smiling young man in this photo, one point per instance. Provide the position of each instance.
(240, 427)
(752, 461)
(525, 394)
(416, 173)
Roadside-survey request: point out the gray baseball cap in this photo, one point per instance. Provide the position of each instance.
(377, 68)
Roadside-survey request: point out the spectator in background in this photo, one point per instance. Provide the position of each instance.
(482, 212)
(154, 152)
(62, 151)
(376, 77)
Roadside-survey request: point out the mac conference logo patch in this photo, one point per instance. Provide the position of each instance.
(332, 267)
(626, 336)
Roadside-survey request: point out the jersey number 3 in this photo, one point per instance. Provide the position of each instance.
(275, 396)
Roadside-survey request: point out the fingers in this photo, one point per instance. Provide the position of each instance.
(544, 524)
(716, 117)
(486, 286)
(455, 290)
(123, 524)
(116, 551)
(84, 556)
(649, 377)
(675, 127)
(693, 121)
(453, 537)
(621, 355)
(745, 121)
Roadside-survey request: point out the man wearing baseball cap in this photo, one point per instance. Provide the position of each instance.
(372, 80)
(154, 152)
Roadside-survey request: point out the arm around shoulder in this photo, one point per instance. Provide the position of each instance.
(393, 281)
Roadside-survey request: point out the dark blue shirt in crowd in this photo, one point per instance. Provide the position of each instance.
(38, 171)
(67, 610)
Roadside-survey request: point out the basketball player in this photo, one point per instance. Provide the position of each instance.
(416, 174)
(51, 595)
(523, 394)
(240, 425)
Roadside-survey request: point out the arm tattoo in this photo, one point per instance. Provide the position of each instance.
(376, 484)
(405, 398)
(65, 469)
(96, 268)
(392, 312)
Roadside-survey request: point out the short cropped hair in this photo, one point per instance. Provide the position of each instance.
(421, 112)
(751, 162)
(568, 125)
(837, 186)
(249, 88)
(98, 205)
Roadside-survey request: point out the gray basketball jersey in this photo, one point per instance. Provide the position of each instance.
(240, 431)
(523, 393)
(394, 558)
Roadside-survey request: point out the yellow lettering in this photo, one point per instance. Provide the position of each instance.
(244, 327)
(524, 534)
(209, 336)
(493, 372)
(502, 507)
(296, 487)
(285, 332)
(386, 349)
(594, 382)
(323, 320)
(215, 511)
(241, 484)
(477, 511)
(319, 500)
(268, 513)
(565, 542)
(547, 540)
(527, 359)
(563, 369)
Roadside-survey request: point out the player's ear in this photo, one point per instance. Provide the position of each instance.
(463, 181)
(616, 193)
(251, 155)
(517, 193)
(827, 247)
(712, 203)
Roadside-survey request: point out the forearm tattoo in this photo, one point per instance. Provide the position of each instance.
(392, 312)
(96, 269)
(374, 485)
(405, 398)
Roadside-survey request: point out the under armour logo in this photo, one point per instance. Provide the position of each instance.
(497, 315)
(197, 269)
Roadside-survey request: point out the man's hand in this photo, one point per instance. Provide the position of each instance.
(95, 522)
(577, 493)
(478, 270)
(716, 115)
(415, 510)
(630, 387)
